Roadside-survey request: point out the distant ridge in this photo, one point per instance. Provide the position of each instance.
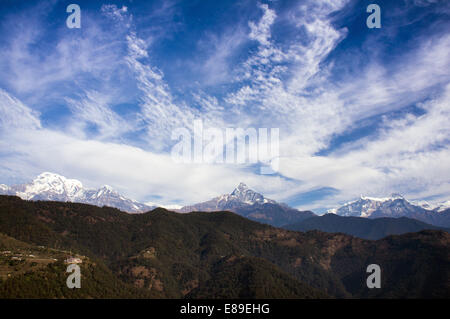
(394, 206)
(365, 228)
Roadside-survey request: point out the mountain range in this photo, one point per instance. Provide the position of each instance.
(252, 205)
(255, 206)
(163, 254)
(54, 187)
(394, 206)
(242, 200)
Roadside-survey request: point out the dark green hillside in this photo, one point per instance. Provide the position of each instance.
(29, 271)
(249, 277)
(273, 214)
(221, 254)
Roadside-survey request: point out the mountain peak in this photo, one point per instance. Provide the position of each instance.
(250, 204)
(248, 196)
(240, 188)
(51, 177)
(4, 189)
(380, 199)
(107, 188)
(393, 206)
(48, 175)
(51, 186)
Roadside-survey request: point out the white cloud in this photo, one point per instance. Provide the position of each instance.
(72, 57)
(15, 115)
(261, 31)
(158, 110)
(93, 108)
(310, 119)
(313, 17)
(217, 66)
(113, 12)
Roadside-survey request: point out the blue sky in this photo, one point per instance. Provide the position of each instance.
(360, 111)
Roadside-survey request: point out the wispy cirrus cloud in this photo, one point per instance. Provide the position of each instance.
(15, 115)
(93, 111)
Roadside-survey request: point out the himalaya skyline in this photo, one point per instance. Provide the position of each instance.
(359, 110)
(242, 200)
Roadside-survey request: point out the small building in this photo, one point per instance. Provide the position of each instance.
(73, 260)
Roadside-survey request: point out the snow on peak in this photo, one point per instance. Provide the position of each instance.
(393, 196)
(332, 211)
(55, 179)
(395, 205)
(104, 190)
(244, 194)
(51, 186)
(52, 183)
(365, 205)
(443, 206)
(438, 207)
(241, 188)
(107, 189)
(49, 175)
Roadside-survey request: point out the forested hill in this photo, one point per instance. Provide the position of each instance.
(220, 254)
(362, 227)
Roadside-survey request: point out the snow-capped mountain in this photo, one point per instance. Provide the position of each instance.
(393, 206)
(365, 206)
(252, 205)
(50, 186)
(241, 196)
(439, 207)
(245, 195)
(4, 189)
